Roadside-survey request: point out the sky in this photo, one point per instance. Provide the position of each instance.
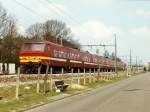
(92, 22)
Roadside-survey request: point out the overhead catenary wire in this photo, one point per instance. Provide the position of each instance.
(64, 12)
(34, 12)
(59, 12)
(29, 9)
(37, 14)
(69, 17)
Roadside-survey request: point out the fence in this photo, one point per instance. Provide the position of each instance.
(69, 78)
(45, 82)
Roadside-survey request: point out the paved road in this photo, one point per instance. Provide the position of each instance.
(130, 95)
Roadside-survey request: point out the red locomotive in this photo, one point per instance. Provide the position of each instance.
(45, 53)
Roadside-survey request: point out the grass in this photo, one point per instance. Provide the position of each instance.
(24, 101)
(106, 82)
(29, 97)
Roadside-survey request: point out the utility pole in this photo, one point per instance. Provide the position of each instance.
(136, 64)
(0, 56)
(116, 70)
(61, 41)
(108, 45)
(130, 60)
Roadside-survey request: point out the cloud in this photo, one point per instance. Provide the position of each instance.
(21, 30)
(95, 31)
(35, 10)
(143, 13)
(141, 32)
(48, 8)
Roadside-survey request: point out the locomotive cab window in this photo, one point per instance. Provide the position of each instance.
(33, 47)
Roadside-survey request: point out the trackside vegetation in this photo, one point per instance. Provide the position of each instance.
(28, 98)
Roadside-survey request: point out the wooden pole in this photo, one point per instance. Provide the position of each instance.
(127, 70)
(84, 82)
(17, 83)
(62, 72)
(90, 76)
(51, 79)
(94, 75)
(45, 79)
(72, 76)
(78, 76)
(98, 71)
(107, 75)
(116, 66)
(38, 80)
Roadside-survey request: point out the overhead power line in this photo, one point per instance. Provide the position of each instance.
(62, 13)
(68, 15)
(35, 13)
(29, 9)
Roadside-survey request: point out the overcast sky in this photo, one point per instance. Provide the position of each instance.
(92, 21)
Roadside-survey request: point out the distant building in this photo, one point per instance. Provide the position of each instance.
(147, 66)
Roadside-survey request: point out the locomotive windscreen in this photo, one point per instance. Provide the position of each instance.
(33, 47)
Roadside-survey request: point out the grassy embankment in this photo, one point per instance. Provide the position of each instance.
(28, 96)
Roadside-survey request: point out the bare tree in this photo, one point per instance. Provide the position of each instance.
(36, 30)
(54, 31)
(8, 47)
(3, 20)
(57, 29)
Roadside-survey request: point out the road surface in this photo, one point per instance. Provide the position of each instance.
(130, 95)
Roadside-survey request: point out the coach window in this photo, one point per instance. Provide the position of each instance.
(38, 47)
(55, 53)
(68, 56)
(26, 46)
(59, 54)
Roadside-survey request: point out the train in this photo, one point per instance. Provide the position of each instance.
(43, 53)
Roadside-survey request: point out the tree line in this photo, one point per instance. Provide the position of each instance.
(51, 30)
(11, 41)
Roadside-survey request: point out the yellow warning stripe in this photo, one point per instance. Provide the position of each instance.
(25, 59)
(33, 57)
(34, 61)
